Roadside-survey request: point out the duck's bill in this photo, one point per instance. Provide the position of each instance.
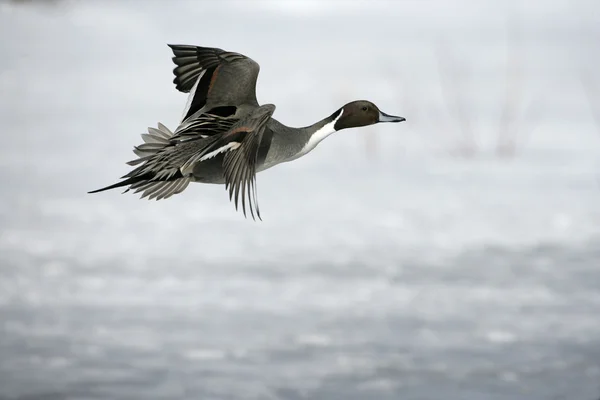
(383, 117)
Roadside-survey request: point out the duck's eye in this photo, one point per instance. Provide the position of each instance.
(364, 108)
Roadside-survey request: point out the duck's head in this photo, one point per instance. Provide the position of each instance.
(362, 113)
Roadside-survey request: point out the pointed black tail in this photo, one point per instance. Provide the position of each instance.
(126, 182)
(152, 187)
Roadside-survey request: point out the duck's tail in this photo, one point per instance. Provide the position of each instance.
(156, 177)
(151, 187)
(126, 182)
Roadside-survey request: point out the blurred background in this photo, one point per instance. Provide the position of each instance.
(455, 256)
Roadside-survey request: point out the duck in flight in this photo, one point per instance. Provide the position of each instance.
(225, 136)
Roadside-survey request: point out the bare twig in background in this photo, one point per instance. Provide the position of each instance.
(593, 96)
(453, 87)
(409, 102)
(507, 134)
(532, 116)
(371, 144)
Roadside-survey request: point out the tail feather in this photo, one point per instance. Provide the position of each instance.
(126, 182)
(150, 187)
(156, 177)
(154, 141)
(161, 189)
(162, 131)
(138, 160)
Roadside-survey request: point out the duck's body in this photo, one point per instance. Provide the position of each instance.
(280, 144)
(225, 136)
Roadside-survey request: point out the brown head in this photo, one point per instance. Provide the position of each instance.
(362, 113)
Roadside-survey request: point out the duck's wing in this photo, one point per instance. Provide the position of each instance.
(240, 145)
(217, 80)
(203, 126)
(239, 164)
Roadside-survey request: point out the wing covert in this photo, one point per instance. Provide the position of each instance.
(213, 77)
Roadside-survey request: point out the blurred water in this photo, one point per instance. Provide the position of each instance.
(407, 273)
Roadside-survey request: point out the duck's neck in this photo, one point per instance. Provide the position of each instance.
(319, 131)
(290, 143)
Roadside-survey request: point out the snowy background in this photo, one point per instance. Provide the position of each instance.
(453, 256)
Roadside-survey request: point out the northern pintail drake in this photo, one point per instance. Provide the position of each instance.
(225, 136)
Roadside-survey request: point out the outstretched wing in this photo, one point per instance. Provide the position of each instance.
(214, 78)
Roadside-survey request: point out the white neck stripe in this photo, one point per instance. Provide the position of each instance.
(319, 135)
